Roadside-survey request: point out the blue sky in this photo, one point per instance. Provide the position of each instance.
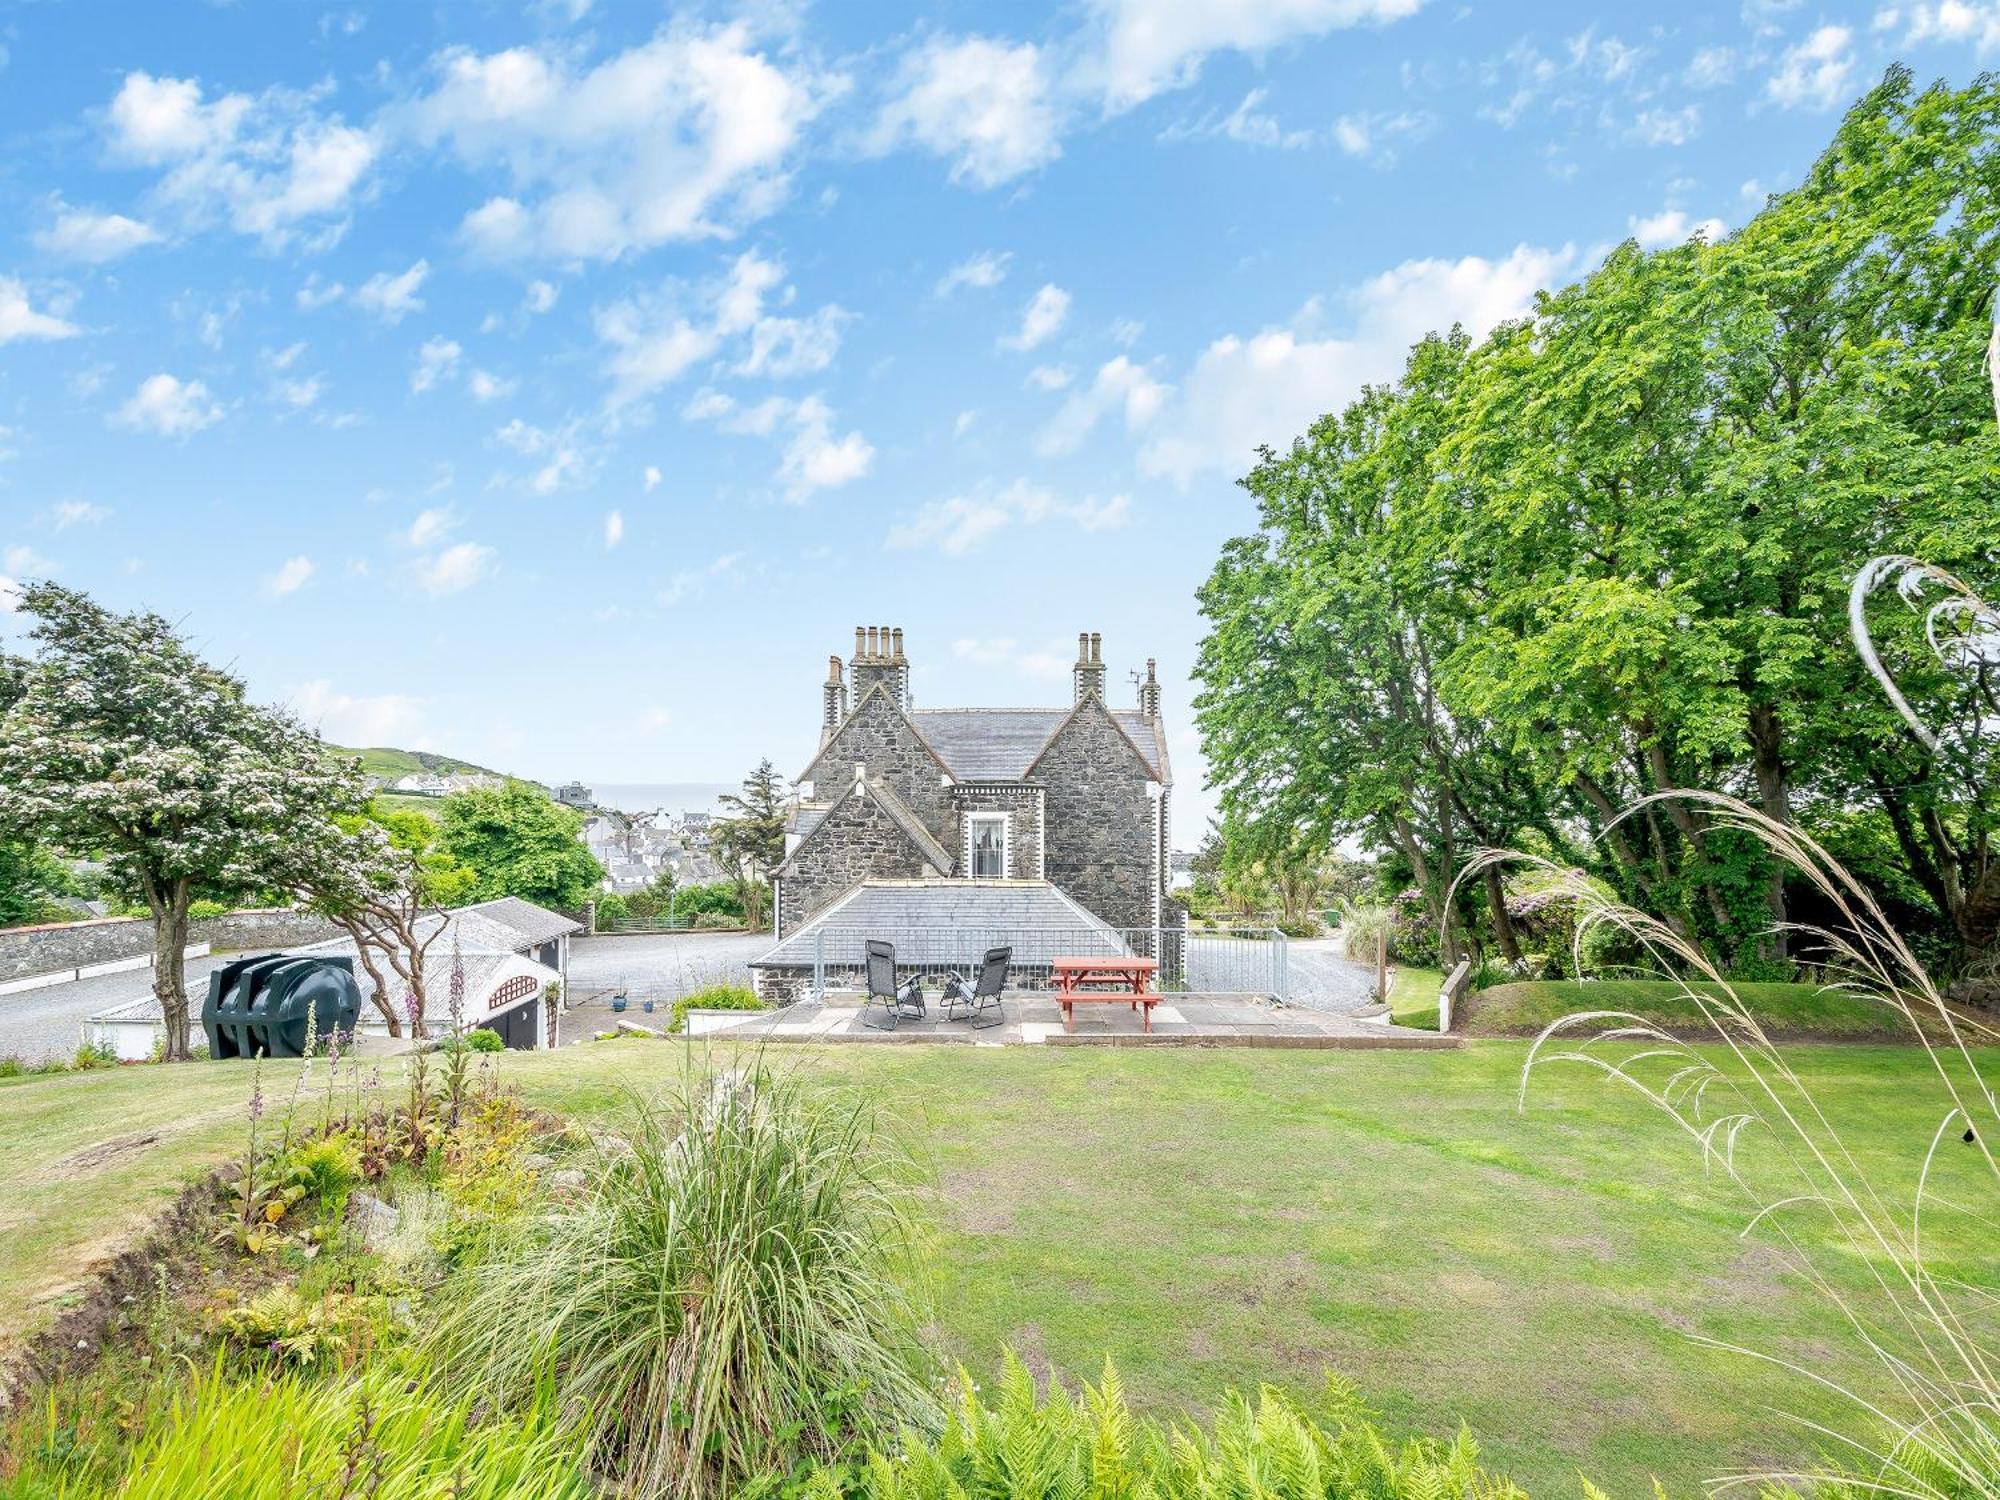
(558, 385)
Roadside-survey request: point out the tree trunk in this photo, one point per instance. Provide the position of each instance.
(170, 926)
(1503, 925)
(1768, 762)
(383, 1003)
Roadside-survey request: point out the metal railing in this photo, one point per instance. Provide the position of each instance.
(1249, 961)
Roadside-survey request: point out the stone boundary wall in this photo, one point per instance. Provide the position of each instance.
(77, 945)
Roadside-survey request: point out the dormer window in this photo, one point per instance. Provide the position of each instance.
(986, 834)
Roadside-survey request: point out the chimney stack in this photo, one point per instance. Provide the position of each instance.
(834, 709)
(1088, 674)
(878, 657)
(1149, 692)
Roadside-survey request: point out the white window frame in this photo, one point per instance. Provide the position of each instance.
(1005, 820)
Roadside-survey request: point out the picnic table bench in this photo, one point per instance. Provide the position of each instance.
(1081, 981)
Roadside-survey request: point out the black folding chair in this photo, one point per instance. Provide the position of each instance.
(897, 1005)
(984, 995)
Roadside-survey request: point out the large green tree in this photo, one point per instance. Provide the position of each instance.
(518, 842)
(120, 740)
(1602, 557)
(751, 842)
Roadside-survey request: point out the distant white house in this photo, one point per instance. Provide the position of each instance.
(432, 784)
(576, 794)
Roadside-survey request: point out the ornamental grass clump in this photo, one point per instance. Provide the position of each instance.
(381, 1436)
(720, 1299)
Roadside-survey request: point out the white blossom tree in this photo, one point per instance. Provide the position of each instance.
(117, 739)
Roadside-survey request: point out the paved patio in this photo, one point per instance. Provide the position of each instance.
(1033, 1019)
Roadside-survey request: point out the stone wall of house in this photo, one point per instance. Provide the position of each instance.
(78, 945)
(1023, 802)
(1100, 827)
(855, 840)
(878, 736)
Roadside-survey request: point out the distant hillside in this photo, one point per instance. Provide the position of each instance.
(391, 764)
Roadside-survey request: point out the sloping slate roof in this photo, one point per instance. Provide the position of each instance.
(949, 922)
(806, 819)
(531, 925)
(999, 744)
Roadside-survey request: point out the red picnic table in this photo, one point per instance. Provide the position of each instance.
(1082, 980)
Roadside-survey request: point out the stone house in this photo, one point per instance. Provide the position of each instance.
(950, 803)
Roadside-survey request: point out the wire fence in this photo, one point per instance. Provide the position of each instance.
(1248, 961)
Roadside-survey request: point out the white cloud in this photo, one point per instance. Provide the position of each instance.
(1667, 127)
(684, 136)
(1672, 226)
(1711, 68)
(1949, 21)
(656, 337)
(1050, 377)
(984, 105)
(392, 298)
(83, 234)
(1374, 137)
(267, 165)
(169, 406)
(1007, 654)
(1816, 73)
(1141, 47)
(984, 270)
(614, 528)
(1268, 387)
(652, 477)
(435, 361)
(345, 719)
(964, 523)
(299, 394)
(1041, 319)
(19, 320)
(318, 292)
(455, 569)
(485, 386)
(692, 583)
(1247, 125)
(22, 561)
(1120, 385)
(293, 574)
(67, 513)
(10, 595)
(815, 459)
(430, 527)
(541, 296)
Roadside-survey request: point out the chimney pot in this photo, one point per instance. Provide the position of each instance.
(899, 643)
(833, 669)
(1096, 647)
(874, 645)
(1083, 645)
(857, 643)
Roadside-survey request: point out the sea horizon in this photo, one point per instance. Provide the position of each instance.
(653, 796)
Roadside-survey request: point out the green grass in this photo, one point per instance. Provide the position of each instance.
(1217, 1217)
(1413, 997)
(1801, 1010)
(384, 761)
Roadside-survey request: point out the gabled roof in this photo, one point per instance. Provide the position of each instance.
(1000, 744)
(529, 924)
(898, 812)
(876, 690)
(1149, 762)
(939, 921)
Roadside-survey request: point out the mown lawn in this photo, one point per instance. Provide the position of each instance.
(1781, 1009)
(1217, 1217)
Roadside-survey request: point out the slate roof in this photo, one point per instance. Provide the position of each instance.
(939, 921)
(999, 744)
(531, 925)
(806, 819)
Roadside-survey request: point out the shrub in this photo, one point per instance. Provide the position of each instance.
(713, 997)
(717, 921)
(1093, 1445)
(720, 1300)
(94, 1055)
(1361, 928)
(383, 1435)
(478, 1039)
(13, 1066)
(203, 911)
